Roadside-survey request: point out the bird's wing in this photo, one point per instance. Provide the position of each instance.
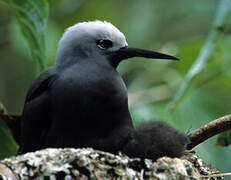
(40, 85)
(36, 114)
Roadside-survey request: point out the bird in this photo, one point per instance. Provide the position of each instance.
(82, 101)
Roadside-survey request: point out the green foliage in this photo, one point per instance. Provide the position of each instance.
(222, 19)
(224, 139)
(32, 16)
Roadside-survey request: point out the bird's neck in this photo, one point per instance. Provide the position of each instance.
(63, 62)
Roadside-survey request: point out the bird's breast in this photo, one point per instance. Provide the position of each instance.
(90, 100)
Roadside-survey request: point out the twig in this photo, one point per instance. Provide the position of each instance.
(13, 123)
(211, 129)
(216, 175)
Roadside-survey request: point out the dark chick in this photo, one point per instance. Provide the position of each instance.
(156, 139)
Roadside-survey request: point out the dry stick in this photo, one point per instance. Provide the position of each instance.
(216, 175)
(211, 129)
(13, 123)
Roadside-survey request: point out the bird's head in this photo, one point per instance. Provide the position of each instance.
(100, 38)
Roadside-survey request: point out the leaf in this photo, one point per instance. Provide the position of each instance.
(32, 17)
(224, 139)
(221, 20)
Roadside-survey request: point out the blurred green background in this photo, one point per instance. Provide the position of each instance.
(177, 27)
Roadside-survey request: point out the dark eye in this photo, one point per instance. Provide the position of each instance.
(104, 44)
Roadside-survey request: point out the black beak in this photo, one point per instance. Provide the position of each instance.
(128, 52)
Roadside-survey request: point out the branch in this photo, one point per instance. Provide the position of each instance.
(211, 129)
(13, 123)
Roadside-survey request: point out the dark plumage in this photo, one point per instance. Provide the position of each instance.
(156, 139)
(81, 101)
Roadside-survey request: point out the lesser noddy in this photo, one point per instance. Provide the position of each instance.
(81, 101)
